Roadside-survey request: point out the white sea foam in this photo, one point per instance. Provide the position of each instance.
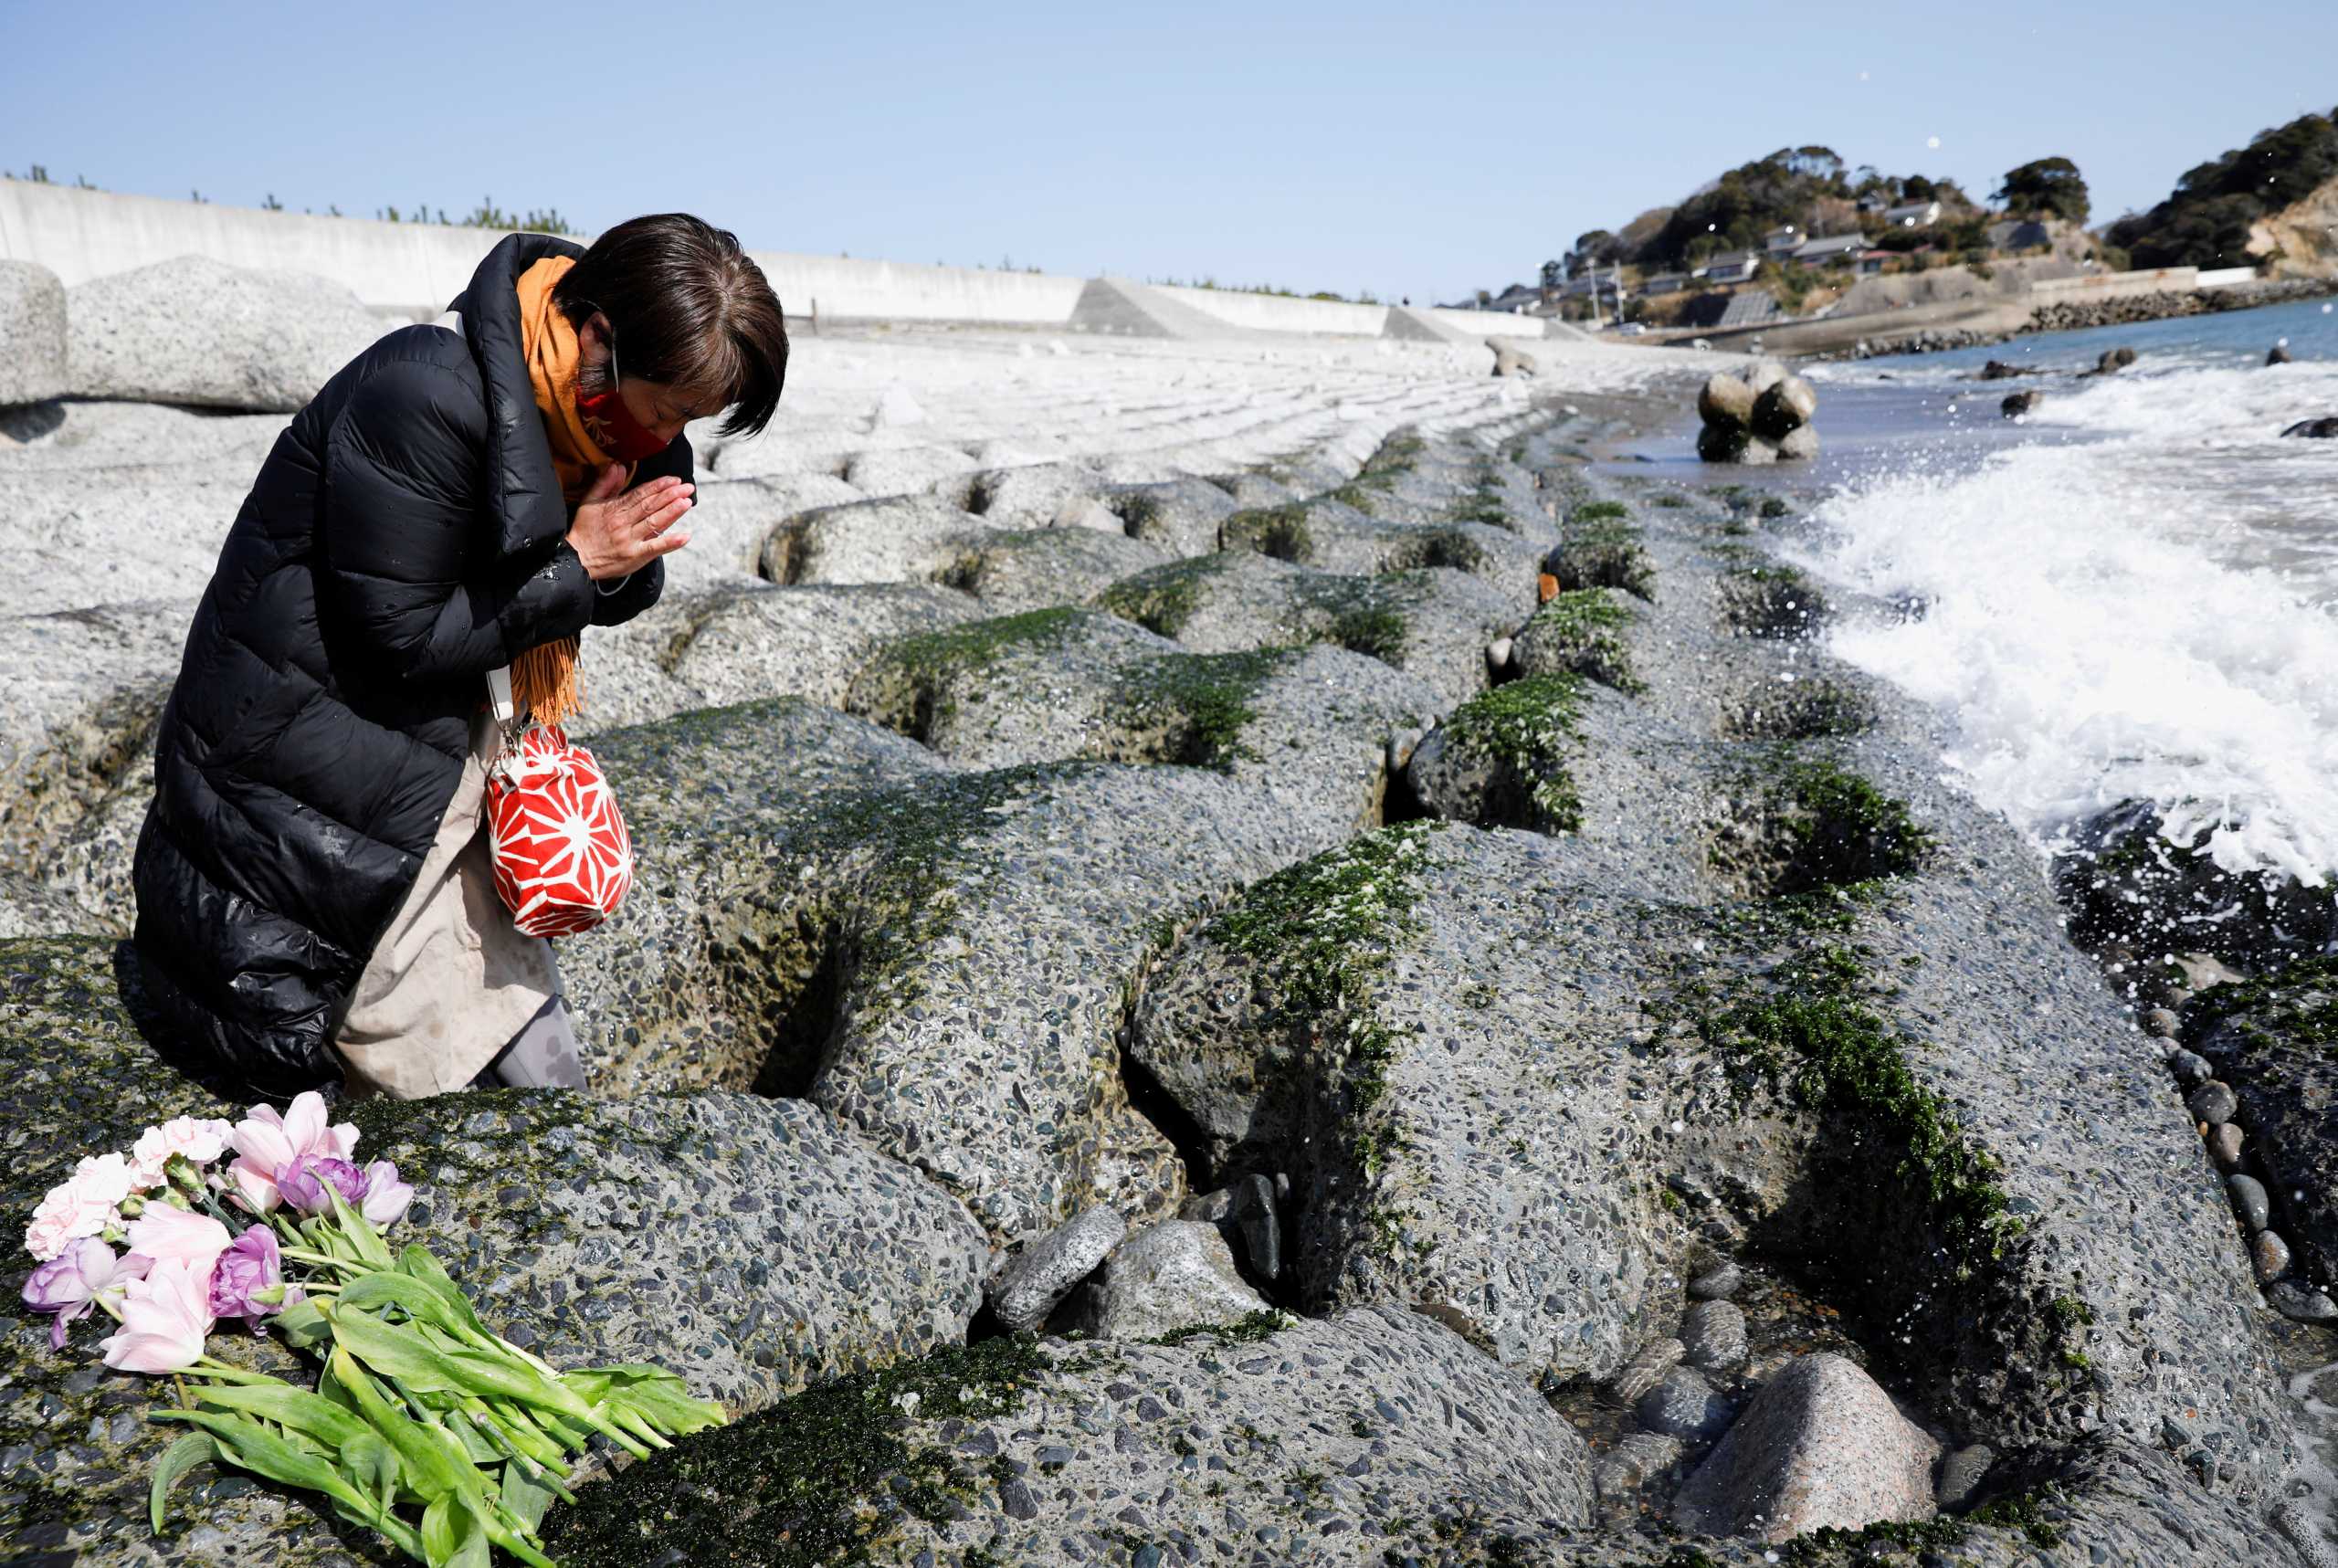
(2140, 606)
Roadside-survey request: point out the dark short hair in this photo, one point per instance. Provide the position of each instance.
(689, 309)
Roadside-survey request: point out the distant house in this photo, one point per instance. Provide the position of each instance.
(1835, 250)
(1664, 283)
(1778, 241)
(1913, 215)
(1729, 266)
(1874, 201)
(1870, 262)
(1517, 297)
(1602, 283)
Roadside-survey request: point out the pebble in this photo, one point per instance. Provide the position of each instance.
(1718, 1283)
(2223, 1143)
(1254, 1213)
(1027, 1289)
(2161, 1021)
(2249, 1201)
(1632, 1463)
(2191, 1068)
(2213, 1102)
(1498, 653)
(2297, 1302)
(2271, 1255)
(1645, 1369)
(1961, 1475)
(1684, 1405)
(1713, 1335)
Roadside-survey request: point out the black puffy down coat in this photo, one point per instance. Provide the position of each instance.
(406, 535)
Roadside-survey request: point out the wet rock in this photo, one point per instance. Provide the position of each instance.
(1044, 1272)
(1408, 1433)
(2126, 882)
(1166, 1276)
(1783, 409)
(2277, 354)
(1820, 1446)
(193, 330)
(2268, 1041)
(1719, 1283)
(2203, 971)
(1636, 1460)
(2018, 404)
(1256, 1221)
(2114, 360)
(2271, 1255)
(2324, 429)
(2160, 1022)
(2213, 1102)
(32, 334)
(1799, 444)
(2300, 1302)
(1685, 1405)
(1584, 632)
(1961, 1475)
(1714, 1334)
(2224, 1141)
(1726, 400)
(2249, 1201)
(2190, 1069)
(1646, 1368)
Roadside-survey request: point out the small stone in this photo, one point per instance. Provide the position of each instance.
(2296, 1301)
(1166, 1276)
(1209, 1206)
(1718, 1283)
(2223, 1143)
(1645, 1369)
(1401, 746)
(1498, 653)
(1254, 1213)
(1713, 1335)
(1961, 1475)
(2202, 971)
(1025, 1292)
(2190, 1069)
(2249, 1201)
(1684, 1405)
(2270, 1254)
(2161, 1022)
(1632, 1463)
(2213, 1102)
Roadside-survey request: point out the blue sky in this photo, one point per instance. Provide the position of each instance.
(1422, 150)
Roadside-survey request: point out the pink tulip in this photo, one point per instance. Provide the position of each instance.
(268, 1142)
(386, 1197)
(167, 1234)
(165, 1318)
(68, 1285)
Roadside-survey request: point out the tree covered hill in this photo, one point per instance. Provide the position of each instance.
(2208, 219)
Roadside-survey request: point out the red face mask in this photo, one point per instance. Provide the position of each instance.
(627, 439)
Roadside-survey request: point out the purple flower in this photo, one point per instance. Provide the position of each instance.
(68, 1284)
(247, 1281)
(385, 1197)
(303, 1182)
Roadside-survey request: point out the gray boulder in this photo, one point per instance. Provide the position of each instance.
(899, 540)
(198, 331)
(1033, 568)
(1181, 516)
(1686, 1405)
(1372, 1437)
(749, 644)
(1783, 409)
(1821, 1447)
(2018, 404)
(1726, 401)
(1164, 1276)
(32, 334)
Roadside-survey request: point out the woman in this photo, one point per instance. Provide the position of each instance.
(461, 501)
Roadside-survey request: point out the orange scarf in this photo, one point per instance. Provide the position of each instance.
(545, 678)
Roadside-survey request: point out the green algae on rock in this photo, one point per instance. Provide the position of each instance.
(1581, 631)
(1519, 736)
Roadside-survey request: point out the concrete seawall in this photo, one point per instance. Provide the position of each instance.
(415, 269)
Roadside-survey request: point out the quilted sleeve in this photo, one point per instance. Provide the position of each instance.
(405, 534)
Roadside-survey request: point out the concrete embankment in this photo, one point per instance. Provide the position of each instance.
(415, 269)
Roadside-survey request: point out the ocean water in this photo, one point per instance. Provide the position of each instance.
(2130, 594)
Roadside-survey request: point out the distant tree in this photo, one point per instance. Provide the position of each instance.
(1597, 247)
(2046, 187)
(2206, 221)
(1820, 163)
(1916, 188)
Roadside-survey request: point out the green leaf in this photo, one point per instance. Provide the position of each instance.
(302, 1324)
(373, 1465)
(194, 1448)
(525, 1498)
(452, 1536)
(365, 1243)
(294, 1407)
(417, 1263)
(245, 1442)
(429, 1469)
(417, 1299)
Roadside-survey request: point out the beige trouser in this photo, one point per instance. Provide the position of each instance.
(452, 979)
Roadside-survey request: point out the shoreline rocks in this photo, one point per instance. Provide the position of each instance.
(1759, 418)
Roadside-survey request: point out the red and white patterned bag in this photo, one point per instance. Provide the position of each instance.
(563, 859)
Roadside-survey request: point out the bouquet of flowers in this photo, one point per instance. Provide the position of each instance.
(425, 1425)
